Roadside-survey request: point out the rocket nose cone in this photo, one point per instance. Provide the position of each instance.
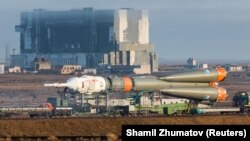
(222, 96)
(222, 73)
(72, 81)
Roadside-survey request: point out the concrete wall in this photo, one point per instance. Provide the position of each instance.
(144, 69)
(136, 47)
(124, 58)
(42, 65)
(57, 60)
(121, 25)
(131, 25)
(134, 55)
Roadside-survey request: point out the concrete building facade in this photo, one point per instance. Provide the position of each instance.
(131, 25)
(42, 64)
(86, 37)
(82, 31)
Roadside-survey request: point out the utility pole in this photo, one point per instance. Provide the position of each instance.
(13, 51)
(7, 54)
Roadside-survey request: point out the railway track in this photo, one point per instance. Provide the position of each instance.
(124, 117)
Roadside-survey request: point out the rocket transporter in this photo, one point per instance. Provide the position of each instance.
(197, 84)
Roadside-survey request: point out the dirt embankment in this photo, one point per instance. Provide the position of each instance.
(102, 126)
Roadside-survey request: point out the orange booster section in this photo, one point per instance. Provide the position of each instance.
(213, 84)
(127, 84)
(222, 73)
(222, 94)
(48, 105)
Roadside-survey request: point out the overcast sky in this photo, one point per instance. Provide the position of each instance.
(203, 29)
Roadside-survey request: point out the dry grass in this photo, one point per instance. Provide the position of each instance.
(103, 127)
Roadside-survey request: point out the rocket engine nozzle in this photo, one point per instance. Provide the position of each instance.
(222, 96)
(222, 73)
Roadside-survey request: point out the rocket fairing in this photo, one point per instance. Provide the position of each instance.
(198, 84)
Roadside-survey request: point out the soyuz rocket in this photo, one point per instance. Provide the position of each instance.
(197, 84)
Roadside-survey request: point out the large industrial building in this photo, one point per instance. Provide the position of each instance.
(87, 37)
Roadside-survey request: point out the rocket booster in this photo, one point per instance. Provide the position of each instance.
(206, 75)
(199, 84)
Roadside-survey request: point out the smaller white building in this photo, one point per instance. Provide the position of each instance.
(234, 68)
(191, 62)
(203, 66)
(2, 67)
(70, 69)
(15, 69)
